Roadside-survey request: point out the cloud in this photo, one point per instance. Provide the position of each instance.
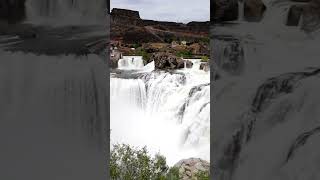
(168, 10)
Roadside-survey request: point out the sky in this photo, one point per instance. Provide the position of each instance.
(167, 10)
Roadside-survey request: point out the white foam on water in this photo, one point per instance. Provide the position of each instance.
(131, 63)
(168, 113)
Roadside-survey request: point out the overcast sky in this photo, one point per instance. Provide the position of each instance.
(168, 10)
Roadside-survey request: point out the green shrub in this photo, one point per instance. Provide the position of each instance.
(128, 163)
(205, 40)
(204, 59)
(173, 174)
(202, 175)
(184, 54)
(145, 55)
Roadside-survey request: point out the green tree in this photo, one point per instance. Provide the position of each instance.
(173, 174)
(202, 175)
(128, 163)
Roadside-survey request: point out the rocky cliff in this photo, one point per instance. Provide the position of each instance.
(308, 11)
(128, 27)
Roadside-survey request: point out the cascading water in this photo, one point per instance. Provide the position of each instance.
(265, 118)
(131, 62)
(168, 113)
(240, 10)
(67, 12)
(53, 110)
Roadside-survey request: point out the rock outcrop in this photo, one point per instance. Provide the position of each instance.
(115, 56)
(294, 15)
(124, 16)
(127, 26)
(311, 16)
(205, 66)
(12, 11)
(125, 13)
(224, 10)
(188, 168)
(167, 61)
(199, 26)
(253, 10)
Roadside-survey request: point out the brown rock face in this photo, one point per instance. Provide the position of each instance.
(205, 66)
(294, 15)
(124, 16)
(188, 168)
(199, 26)
(166, 61)
(311, 16)
(115, 56)
(125, 13)
(128, 27)
(155, 47)
(224, 10)
(253, 10)
(12, 11)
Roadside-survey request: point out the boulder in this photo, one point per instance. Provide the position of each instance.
(224, 10)
(253, 10)
(188, 168)
(186, 64)
(294, 15)
(167, 61)
(115, 56)
(205, 66)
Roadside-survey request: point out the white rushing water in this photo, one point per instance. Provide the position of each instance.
(66, 12)
(130, 62)
(168, 113)
(265, 114)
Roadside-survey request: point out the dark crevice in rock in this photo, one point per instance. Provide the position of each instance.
(301, 141)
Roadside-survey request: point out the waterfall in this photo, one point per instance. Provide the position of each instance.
(229, 55)
(52, 110)
(265, 118)
(66, 11)
(195, 64)
(131, 91)
(240, 10)
(167, 112)
(131, 62)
